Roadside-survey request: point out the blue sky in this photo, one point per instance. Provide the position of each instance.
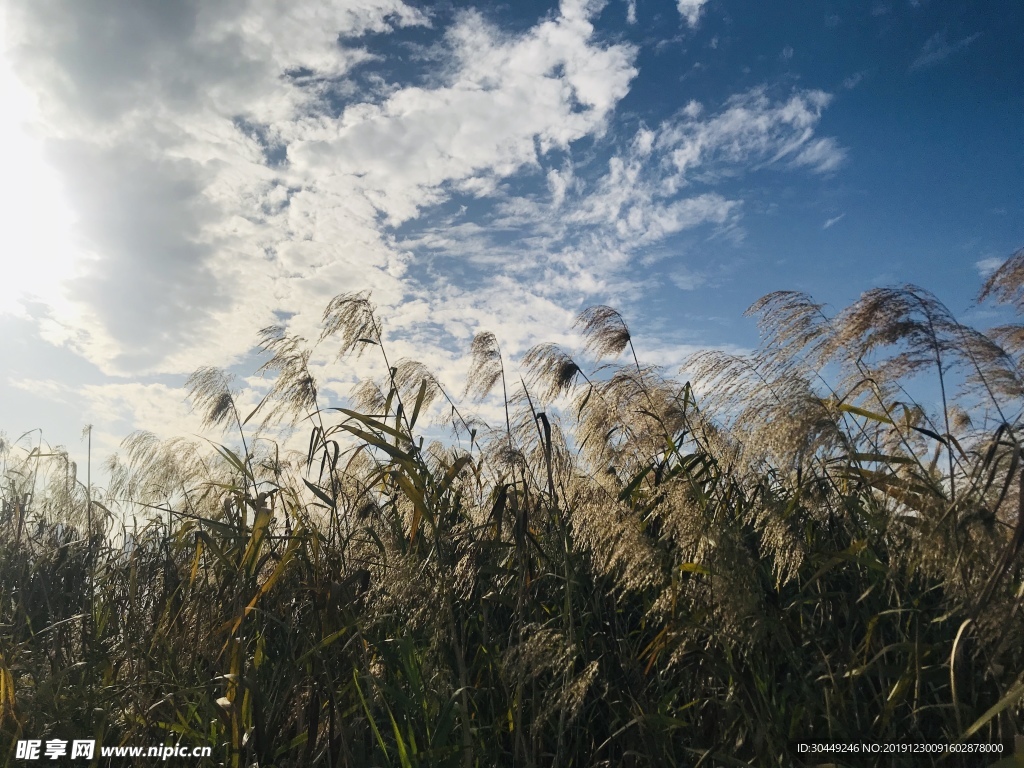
(182, 174)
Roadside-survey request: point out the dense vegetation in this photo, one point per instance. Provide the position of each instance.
(629, 570)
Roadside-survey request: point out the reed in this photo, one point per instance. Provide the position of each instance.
(633, 569)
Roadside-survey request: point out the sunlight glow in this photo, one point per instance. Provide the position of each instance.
(37, 251)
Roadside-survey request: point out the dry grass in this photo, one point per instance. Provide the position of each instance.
(617, 575)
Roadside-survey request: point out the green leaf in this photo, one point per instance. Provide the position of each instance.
(865, 413)
(254, 410)
(373, 423)
(626, 492)
(1012, 697)
(881, 457)
(420, 397)
(378, 442)
(369, 717)
(332, 503)
(694, 568)
(457, 466)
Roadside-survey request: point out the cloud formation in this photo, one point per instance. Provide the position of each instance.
(989, 265)
(691, 10)
(232, 168)
(213, 166)
(936, 48)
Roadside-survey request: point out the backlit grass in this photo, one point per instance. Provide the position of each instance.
(631, 569)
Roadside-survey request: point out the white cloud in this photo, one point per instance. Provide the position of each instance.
(936, 48)
(834, 220)
(507, 100)
(752, 130)
(584, 236)
(35, 220)
(227, 164)
(170, 124)
(115, 409)
(156, 408)
(821, 155)
(592, 230)
(50, 388)
(691, 10)
(687, 280)
(147, 115)
(853, 80)
(559, 183)
(987, 266)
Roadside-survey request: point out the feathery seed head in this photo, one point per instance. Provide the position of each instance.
(552, 368)
(352, 318)
(1006, 284)
(605, 331)
(485, 367)
(210, 390)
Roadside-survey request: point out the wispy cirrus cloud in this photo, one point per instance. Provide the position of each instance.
(936, 48)
(751, 130)
(582, 233)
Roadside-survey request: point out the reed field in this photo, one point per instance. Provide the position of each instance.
(632, 567)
